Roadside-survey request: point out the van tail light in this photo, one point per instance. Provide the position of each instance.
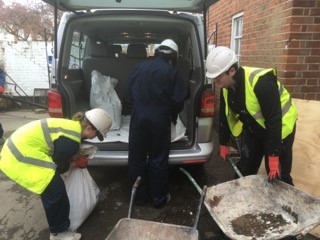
(207, 103)
(54, 104)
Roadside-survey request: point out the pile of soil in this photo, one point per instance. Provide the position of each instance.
(257, 225)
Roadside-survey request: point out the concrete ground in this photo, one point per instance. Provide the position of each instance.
(22, 215)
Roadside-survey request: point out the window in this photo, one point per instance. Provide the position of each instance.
(236, 33)
(77, 50)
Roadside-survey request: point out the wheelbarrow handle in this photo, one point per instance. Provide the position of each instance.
(234, 165)
(133, 193)
(191, 179)
(203, 194)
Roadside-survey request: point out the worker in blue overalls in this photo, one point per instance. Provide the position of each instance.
(157, 92)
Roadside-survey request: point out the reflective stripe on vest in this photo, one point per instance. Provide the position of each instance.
(33, 161)
(47, 130)
(252, 76)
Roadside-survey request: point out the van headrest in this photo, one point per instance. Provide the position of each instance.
(136, 50)
(117, 48)
(101, 51)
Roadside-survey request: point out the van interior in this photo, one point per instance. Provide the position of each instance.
(114, 43)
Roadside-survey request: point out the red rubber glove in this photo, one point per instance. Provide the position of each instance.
(224, 151)
(81, 162)
(1, 89)
(274, 167)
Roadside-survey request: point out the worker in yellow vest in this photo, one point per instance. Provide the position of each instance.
(255, 106)
(37, 153)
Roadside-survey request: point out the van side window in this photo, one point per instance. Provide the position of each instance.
(77, 50)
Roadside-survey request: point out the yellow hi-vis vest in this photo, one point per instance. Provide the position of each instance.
(289, 110)
(26, 155)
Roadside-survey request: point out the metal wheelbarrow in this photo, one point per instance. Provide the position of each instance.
(251, 207)
(133, 229)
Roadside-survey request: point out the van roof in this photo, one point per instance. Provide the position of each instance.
(172, 5)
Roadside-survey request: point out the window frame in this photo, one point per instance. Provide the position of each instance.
(236, 35)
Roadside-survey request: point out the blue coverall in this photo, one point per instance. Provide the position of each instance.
(2, 78)
(2, 83)
(157, 92)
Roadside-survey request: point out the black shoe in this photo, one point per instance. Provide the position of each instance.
(139, 202)
(161, 205)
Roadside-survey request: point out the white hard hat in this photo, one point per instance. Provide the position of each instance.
(170, 44)
(219, 60)
(101, 120)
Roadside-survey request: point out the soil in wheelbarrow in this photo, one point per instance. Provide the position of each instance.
(257, 224)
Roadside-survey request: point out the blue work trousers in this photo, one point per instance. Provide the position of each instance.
(56, 205)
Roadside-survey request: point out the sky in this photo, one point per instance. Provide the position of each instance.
(21, 1)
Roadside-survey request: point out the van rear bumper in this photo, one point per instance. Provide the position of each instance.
(200, 153)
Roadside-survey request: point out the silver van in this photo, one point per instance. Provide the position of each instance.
(110, 38)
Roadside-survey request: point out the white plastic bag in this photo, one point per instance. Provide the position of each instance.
(83, 195)
(103, 95)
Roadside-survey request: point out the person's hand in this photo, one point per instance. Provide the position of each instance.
(274, 167)
(81, 162)
(1, 89)
(224, 151)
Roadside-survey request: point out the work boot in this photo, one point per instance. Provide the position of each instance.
(65, 235)
(161, 205)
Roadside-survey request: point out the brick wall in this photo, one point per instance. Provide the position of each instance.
(284, 34)
(302, 71)
(26, 64)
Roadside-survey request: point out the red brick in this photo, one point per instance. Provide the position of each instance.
(314, 66)
(315, 51)
(310, 96)
(294, 81)
(313, 59)
(297, 95)
(304, 3)
(311, 74)
(313, 44)
(288, 74)
(293, 44)
(297, 11)
(289, 88)
(298, 51)
(302, 20)
(315, 12)
(298, 67)
(312, 82)
(313, 28)
(310, 88)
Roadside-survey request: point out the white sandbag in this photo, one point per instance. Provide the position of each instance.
(86, 150)
(103, 95)
(83, 195)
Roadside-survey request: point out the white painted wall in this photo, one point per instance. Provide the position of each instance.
(26, 64)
